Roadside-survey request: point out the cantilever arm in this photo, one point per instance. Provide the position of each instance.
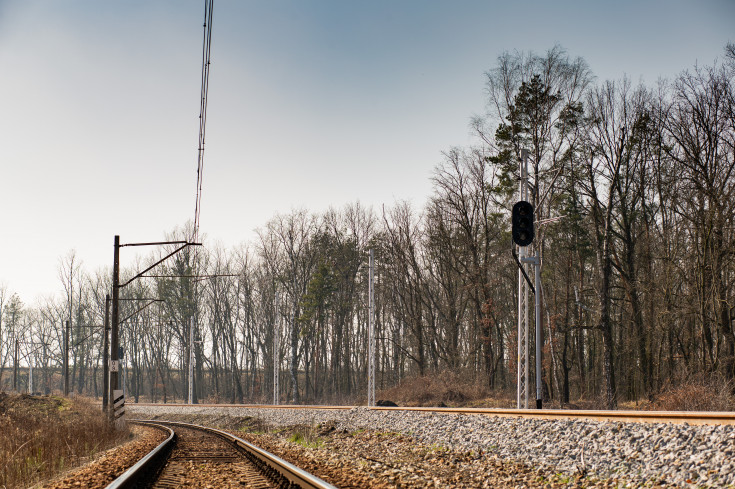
(159, 262)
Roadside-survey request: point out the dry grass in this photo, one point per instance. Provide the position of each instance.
(698, 393)
(41, 436)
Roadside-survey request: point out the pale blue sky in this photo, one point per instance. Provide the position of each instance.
(311, 104)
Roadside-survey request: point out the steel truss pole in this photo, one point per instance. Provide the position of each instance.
(520, 378)
(522, 392)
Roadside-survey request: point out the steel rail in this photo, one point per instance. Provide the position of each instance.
(294, 474)
(250, 406)
(628, 416)
(674, 417)
(137, 473)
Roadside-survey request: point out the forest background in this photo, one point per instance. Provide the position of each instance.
(635, 198)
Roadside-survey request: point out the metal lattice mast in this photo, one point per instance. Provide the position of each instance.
(522, 392)
(371, 333)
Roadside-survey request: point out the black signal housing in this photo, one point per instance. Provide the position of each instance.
(522, 219)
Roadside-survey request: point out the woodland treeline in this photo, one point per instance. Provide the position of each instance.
(634, 193)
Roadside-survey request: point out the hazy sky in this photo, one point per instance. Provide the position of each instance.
(311, 104)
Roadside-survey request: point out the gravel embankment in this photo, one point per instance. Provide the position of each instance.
(682, 455)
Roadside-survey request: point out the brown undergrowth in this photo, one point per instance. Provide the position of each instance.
(41, 436)
(447, 388)
(697, 393)
(452, 389)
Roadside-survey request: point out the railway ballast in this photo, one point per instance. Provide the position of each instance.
(637, 453)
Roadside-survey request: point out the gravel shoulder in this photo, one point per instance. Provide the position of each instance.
(412, 449)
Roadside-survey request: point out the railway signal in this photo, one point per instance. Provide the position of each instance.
(523, 234)
(522, 219)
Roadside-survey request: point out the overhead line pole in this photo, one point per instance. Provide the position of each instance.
(371, 333)
(29, 356)
(116, 286)
(191, 361)
(106, 355)
(276, 355)
(114, 340)
(30, 374)
(15, 366)
(67, 341)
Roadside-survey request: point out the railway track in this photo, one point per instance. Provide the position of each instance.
(404, 446)
(198, 456)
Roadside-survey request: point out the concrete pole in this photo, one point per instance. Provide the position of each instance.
(371, 333)
(191, 361)
(106, 356)
(66, 358)
(276, 356)
(15, 367)
(114, 331)
(30, 374)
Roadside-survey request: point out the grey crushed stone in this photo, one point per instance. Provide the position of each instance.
(680, 454)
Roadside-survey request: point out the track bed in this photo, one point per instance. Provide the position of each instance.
(201, 459)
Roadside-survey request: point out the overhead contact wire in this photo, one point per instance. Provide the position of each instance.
(206, 61)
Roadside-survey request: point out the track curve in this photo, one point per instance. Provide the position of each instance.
(198, 456)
